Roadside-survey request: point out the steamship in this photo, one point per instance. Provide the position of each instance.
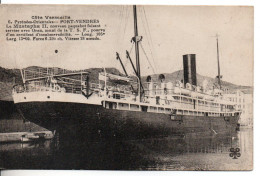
(123, 105)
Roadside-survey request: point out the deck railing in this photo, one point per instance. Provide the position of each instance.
(123, 94)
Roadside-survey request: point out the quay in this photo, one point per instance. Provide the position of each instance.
(16, 136)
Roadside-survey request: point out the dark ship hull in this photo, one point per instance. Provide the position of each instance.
(94, 121)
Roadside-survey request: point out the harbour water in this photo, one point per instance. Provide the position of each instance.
(189, 152)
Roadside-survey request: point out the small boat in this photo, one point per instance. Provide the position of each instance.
(29, 137)
(48, 136)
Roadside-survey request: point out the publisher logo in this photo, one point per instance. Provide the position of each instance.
(235, 153)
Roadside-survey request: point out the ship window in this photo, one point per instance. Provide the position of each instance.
(157, 100)
(110, 105)
(116, 96)
(144, 108)
(48, 96)
(25, 98)
(134, 107)
(161, 109)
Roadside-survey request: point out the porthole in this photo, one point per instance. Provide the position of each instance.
(48, 96)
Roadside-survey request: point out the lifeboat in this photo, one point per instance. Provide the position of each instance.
(209, 97)
(197, 94)
(178, 90)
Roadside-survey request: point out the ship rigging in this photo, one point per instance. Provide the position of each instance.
(109, 103)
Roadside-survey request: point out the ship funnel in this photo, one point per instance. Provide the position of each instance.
(189, 69)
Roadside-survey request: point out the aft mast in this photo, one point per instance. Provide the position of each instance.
(219, 76)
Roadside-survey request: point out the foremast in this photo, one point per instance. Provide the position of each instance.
(136, 39)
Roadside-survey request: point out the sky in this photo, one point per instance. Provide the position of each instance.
(168, 33)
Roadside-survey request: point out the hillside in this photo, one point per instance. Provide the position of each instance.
(9, 77)
(6, 91)
(178, 75)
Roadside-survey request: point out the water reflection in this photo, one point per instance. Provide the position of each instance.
(189, 152)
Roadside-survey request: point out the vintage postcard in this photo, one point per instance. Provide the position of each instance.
(126, 87)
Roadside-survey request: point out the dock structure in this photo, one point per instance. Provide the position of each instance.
(16, 136)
